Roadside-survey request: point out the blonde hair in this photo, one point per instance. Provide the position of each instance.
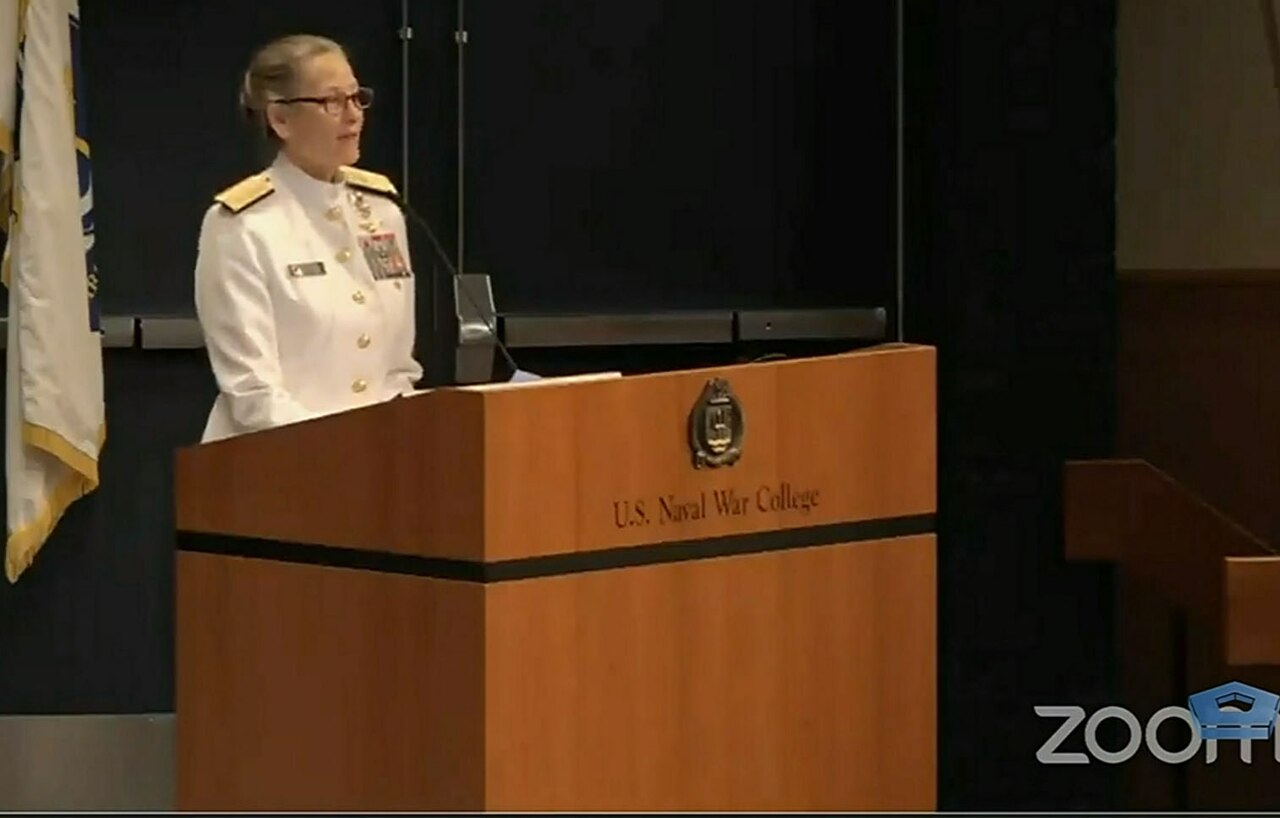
(274, 71)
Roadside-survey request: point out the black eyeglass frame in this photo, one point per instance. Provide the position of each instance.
(335, 104)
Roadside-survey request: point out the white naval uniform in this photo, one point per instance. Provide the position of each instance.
(294, 321)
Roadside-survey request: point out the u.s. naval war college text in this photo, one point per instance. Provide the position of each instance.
(677, 509)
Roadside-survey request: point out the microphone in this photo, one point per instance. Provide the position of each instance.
(422, 223)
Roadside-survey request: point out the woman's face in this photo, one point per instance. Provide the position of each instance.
(320, 126)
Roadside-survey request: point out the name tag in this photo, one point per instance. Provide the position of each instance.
(306, 269)
(382, 252)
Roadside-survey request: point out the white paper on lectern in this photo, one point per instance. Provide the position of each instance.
(520, 376)
(562, 380)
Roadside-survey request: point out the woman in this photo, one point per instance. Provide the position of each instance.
(304, 289)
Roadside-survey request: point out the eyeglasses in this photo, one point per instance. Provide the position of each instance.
(335, 104)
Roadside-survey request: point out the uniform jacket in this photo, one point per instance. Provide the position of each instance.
(305, 296)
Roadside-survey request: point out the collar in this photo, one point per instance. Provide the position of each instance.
(306, 187)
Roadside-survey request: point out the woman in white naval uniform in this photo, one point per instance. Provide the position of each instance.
(304, 290)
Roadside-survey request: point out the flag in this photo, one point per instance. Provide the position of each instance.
(55, 419)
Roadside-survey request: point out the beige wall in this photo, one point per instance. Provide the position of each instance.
(1198, 137)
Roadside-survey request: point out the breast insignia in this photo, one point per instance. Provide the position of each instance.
(370, 181)
(246, 192)
(384, 257)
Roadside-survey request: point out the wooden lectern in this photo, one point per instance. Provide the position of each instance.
(1198, 607)
(527, 597)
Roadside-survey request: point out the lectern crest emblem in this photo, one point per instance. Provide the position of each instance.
(716, 426)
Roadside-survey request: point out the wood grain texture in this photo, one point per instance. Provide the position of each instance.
(796, 680)
(404, 476)
(1201, 276)
(1192, 518)
(800, 680)
(536, 471)
(1251, 631)
(1198, 606)
(1198, 392)
(1163, 535)
(304, 688)
(563, 457)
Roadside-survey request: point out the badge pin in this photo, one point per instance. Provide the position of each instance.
(357, 200)
(306, 269)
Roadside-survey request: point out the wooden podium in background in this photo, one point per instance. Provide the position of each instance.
(1197, 607)
(528, 598)
(1185, 509)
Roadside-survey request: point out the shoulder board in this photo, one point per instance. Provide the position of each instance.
(245, 192)
(368, 180)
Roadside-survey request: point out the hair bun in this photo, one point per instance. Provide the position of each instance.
(274, 71)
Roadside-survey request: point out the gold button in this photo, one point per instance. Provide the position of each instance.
(344, 254)
(359, 385)
(397, 285)
(363, 340)
(358, 297)
(333, 214)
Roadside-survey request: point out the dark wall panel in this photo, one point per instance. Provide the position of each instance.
(1010, 130)
(674, 154)
(89, 627)
(165, 131)
(619, 156)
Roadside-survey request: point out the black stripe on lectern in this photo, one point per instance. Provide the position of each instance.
(557, 564)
